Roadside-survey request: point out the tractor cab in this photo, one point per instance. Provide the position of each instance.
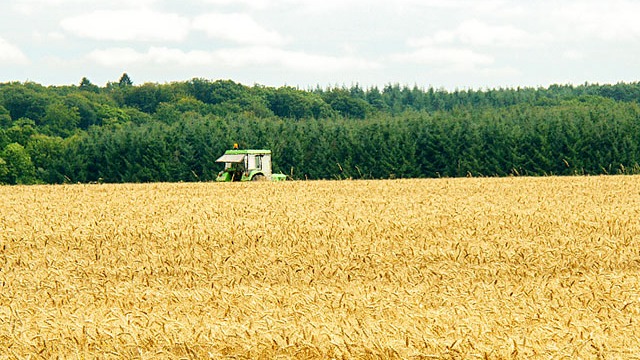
(247, 165)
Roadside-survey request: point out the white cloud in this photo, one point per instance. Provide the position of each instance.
(115, 56)
(41, 3)
(300, 4)
(573, 55)
(239, 28)
(456, 50)
(613, 20)
(294, 60)
(50, 36)
(457, 4)
(455, 59)
(255, 4)
(29, 7)
(502, 72)
(326, 6)
(451, 42)
(229, 58)
(122, 25)
(118, 57)
(446, 4)
(11, 54)
(477, 33)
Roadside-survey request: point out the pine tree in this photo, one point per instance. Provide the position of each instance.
(125, 80)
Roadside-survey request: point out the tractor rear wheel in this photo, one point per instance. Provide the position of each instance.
(258, 177)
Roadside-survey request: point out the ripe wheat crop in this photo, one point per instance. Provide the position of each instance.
(412, 269)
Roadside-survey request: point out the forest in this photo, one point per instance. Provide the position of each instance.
(124, 132)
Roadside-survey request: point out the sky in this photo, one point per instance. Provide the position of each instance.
(444, 44)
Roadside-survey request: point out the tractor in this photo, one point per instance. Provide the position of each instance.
(247, 165)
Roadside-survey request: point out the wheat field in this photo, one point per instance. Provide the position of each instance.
(412, 269)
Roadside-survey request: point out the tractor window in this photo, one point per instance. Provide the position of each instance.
(259, 162)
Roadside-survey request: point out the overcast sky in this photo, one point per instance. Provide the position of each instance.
(441, 43)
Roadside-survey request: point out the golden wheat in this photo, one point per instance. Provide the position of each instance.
(446, 268)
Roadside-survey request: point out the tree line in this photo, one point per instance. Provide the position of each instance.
(123, 132)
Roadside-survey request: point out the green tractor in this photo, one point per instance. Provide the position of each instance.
(247, 165)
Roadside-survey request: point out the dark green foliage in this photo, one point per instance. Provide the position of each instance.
(5, 118)
(4, 172)
(60, 120)
(24, 100)
(348, 103)
(18, 168)
(86, 85)
(21, 131)
(47, 156)
(125, 81)
(86, 109)
(288, 102)
(174, 132)
(146, 97)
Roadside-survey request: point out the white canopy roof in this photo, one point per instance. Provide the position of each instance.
(231, 158)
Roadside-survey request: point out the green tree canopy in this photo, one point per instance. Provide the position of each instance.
(125, 81)
(4, 172)
(61, 120)
(20, 169)
(175, 131)
(5, 118)
(86, 85)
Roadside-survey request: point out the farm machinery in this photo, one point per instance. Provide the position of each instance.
(247, 165)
